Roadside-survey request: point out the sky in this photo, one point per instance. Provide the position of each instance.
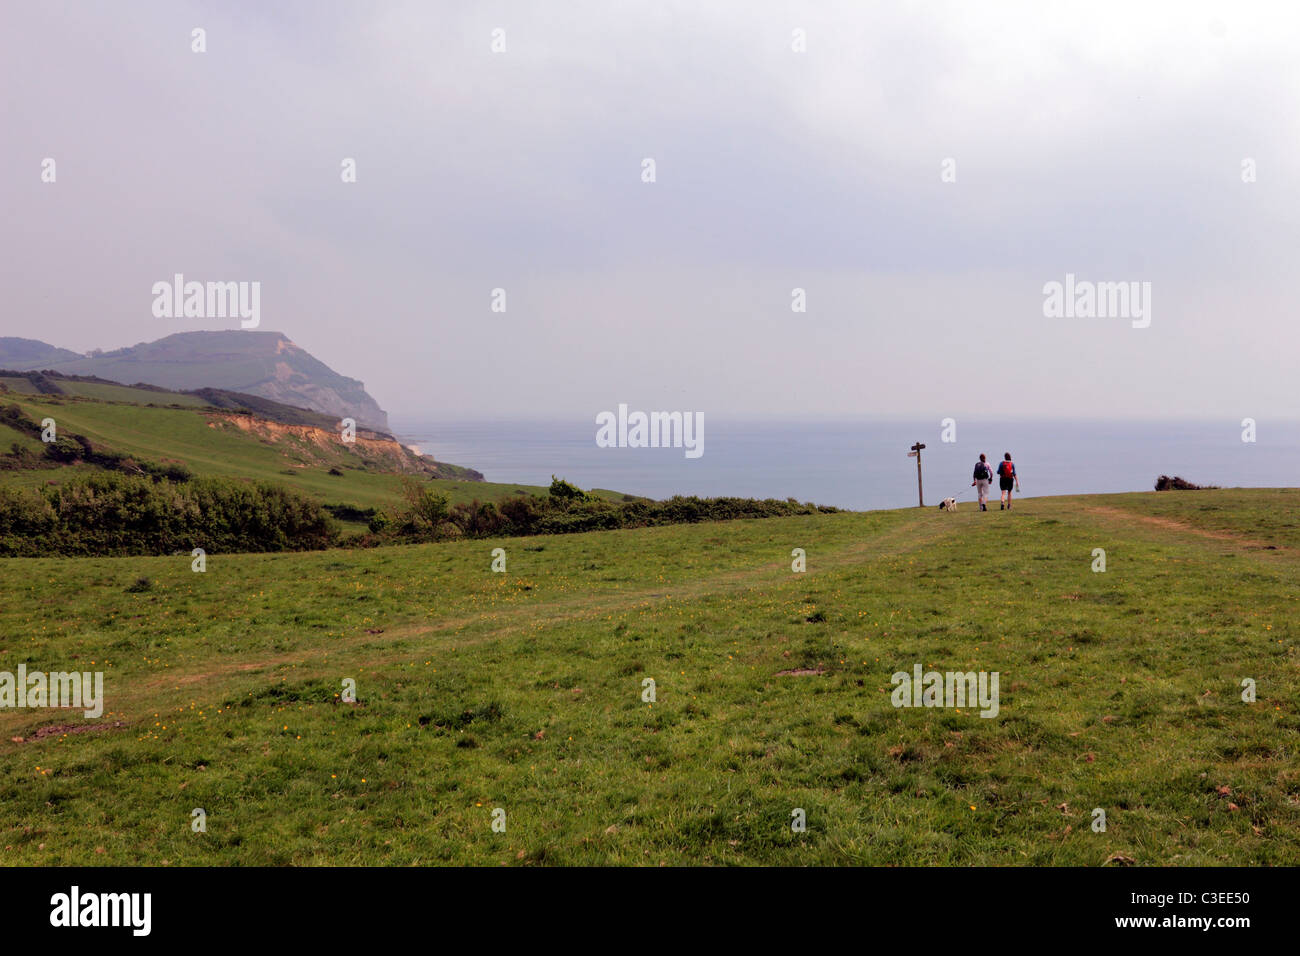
(920, 170)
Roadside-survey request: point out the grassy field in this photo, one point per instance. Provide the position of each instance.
(108, 392)
(523, 691)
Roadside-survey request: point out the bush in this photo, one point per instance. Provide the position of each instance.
(521, 512)
(115, 514)
(1165, 483)
(563, 491)
(567, 510)
(427, 510)
(170, 471)
(350, 512)
(64, 450)
(477, 520)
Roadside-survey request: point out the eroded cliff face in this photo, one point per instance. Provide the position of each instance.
(296, 379)
(338, 396)
(308, 446)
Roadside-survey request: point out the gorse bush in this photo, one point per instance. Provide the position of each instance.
(112, 513)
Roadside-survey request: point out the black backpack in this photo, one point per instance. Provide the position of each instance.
(982, 472)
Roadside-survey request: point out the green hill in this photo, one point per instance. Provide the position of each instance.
(264, 364)
(89, 386)
(211, 433)
(524, 691)
(27, 354)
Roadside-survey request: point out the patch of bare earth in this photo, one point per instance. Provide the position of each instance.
(58, 730)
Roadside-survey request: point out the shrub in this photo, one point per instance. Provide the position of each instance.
(169, 471)
(1165, 483)
(477, 520)
(427, 509)
(64, 449)
(521, 512)
(564, 491)
(112, 513)
(568, 510)
(350, 512)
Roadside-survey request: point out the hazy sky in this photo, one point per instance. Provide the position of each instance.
(1101, 139)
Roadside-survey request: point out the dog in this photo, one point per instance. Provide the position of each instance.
(948, 504)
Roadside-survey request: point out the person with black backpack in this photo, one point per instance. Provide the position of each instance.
(1007, 477)
(983, 478)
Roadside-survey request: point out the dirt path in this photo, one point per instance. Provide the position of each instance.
(1169, 524)
(520, 619)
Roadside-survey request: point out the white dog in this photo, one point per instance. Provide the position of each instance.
(948, 504)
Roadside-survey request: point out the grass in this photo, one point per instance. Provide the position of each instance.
(125, 393)
(523, 691)
(108, 392)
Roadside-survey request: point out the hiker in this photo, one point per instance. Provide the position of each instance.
(983, 478)
(1007, 477)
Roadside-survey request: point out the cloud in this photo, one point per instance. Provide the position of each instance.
(1104, 139)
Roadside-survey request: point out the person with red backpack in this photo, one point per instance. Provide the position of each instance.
(983, 478)
(1007, 477)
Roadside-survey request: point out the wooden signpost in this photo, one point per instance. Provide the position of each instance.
(916, 453)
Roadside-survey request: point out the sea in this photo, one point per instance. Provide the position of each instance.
(863, 465)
